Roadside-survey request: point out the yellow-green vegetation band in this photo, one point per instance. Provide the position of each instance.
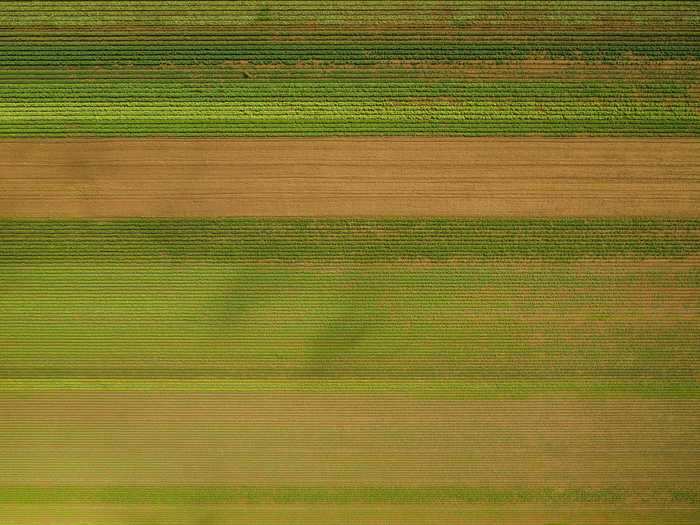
(202, 495)
(482, 309)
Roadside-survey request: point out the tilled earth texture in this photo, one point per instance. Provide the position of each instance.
(373, 262)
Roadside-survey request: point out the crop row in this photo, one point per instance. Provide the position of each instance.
(339, 117)
(347, 240)
(406, 129)
(350, 114)
(197, 89)
(630, 72)
(162, 495)
(620, 129)
(292, 52)
(409, 37)
(334, 12)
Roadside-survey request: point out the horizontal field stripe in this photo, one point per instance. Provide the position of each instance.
(576, 389)
(255, 45)
(348, 240)
(160, 495)
(493, 328)
(522, 178)
(306, 442)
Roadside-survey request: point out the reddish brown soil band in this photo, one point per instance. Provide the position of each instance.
(350, 177)
(308, 440)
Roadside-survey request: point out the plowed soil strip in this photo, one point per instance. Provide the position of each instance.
(350, 177)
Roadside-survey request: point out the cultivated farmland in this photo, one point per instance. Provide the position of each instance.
(353, 177)
(369, 262)
(312, 67)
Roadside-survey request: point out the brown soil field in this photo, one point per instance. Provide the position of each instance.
(350, 177)
(357, 514)
(340, 440)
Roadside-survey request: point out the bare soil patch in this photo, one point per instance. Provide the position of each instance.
(350, 177)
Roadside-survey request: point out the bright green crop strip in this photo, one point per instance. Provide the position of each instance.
(59, 13)
(94, 106)
(95, 90)
(315, 68)
(337, 127)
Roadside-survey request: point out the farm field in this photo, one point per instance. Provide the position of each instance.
(334, 457)
(311, 370)
(351, 177)
(312, 67)
(364, 261)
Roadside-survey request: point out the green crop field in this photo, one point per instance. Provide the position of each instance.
(352, 325)
(230, 68)
(349, 262)
(447, 307)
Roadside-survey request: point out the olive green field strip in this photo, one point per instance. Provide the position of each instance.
(466, 308)
(358, 513)
(254, 68)
(225, 458)
(149, 458)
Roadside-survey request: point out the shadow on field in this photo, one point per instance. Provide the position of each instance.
(339, 338)
(242, 290)
(322, 323)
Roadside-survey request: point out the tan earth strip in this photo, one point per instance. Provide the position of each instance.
(355, 514)
(532, 177)
(307, 440)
